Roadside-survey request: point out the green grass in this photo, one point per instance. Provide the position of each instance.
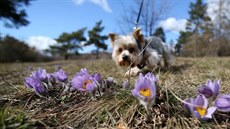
(21, 108)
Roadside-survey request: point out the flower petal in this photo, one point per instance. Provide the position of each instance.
(151, 77)
(61, 75)
(197, 114)
(153, 89)
(40, 74)
(216, 87)
(209, 112)
(201, 101)
(205, 90)
(223, 103)
(190, 107)
(90, 87)
(144, 89)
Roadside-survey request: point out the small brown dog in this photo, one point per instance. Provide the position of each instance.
(139, 52)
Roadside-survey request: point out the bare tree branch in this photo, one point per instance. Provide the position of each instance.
(152, 13)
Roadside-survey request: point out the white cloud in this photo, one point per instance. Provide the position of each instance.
(40, 42)
(78, 2)
(174, 25)
(104, 4)
(101, 3)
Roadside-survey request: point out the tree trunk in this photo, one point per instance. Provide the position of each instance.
(66, 56)
(97, 53)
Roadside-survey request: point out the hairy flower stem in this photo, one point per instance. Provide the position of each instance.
(148, 113)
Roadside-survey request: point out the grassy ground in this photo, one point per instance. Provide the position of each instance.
(117, 108)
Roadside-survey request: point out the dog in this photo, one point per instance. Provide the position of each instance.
(139, 52)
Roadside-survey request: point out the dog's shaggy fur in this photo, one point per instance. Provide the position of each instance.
(139, 52)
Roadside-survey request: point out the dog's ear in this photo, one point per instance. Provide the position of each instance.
(137, 34)
(113, 37)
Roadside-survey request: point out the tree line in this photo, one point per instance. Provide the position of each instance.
(205, 36)
(68, 44)
(13, 50)
(13, 14)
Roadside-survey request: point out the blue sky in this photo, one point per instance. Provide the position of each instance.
(49, 18)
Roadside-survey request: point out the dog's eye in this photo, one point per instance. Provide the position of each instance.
(131, 50)
(120, 49)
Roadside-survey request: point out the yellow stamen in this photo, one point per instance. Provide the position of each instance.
(145, 92)
(85, 83)
(201, 111)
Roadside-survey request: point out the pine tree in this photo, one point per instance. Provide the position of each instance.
(198, 17)
(96, 38)
(68, 43)
(197, 25)
(11, 10)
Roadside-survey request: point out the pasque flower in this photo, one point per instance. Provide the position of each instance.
(151, 77)
(189, 105)
(83, 81)
(40, 74)
(222, 103)
(30, 82)
(145, 91)
(97, 79)
(37, 85)
(61, 75)
(210, 89)
(51, 77)
(199, 107)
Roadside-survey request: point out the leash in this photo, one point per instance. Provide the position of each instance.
(136, 25)
(138, 17)
(137, 21)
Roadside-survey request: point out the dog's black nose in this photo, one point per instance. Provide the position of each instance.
(125, 57)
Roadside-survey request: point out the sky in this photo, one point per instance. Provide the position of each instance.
(50, 18)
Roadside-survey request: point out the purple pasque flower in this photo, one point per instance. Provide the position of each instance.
(199, 107)
(97, 79)
(83, 81)
(40, 74)
(110, 81)
(30, 82)
(83, 71)
(61, 75)
(210, 89)
(151, 77)
(51, 77)
(145, 89)
(189, 104)
(222, 103)
(34, 83)
(205, 90)
(40, 89)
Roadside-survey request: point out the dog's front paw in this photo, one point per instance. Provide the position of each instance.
(134, 72)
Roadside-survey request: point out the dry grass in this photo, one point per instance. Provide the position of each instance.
(117, 108)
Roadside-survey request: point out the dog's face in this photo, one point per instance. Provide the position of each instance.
(127, 48)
